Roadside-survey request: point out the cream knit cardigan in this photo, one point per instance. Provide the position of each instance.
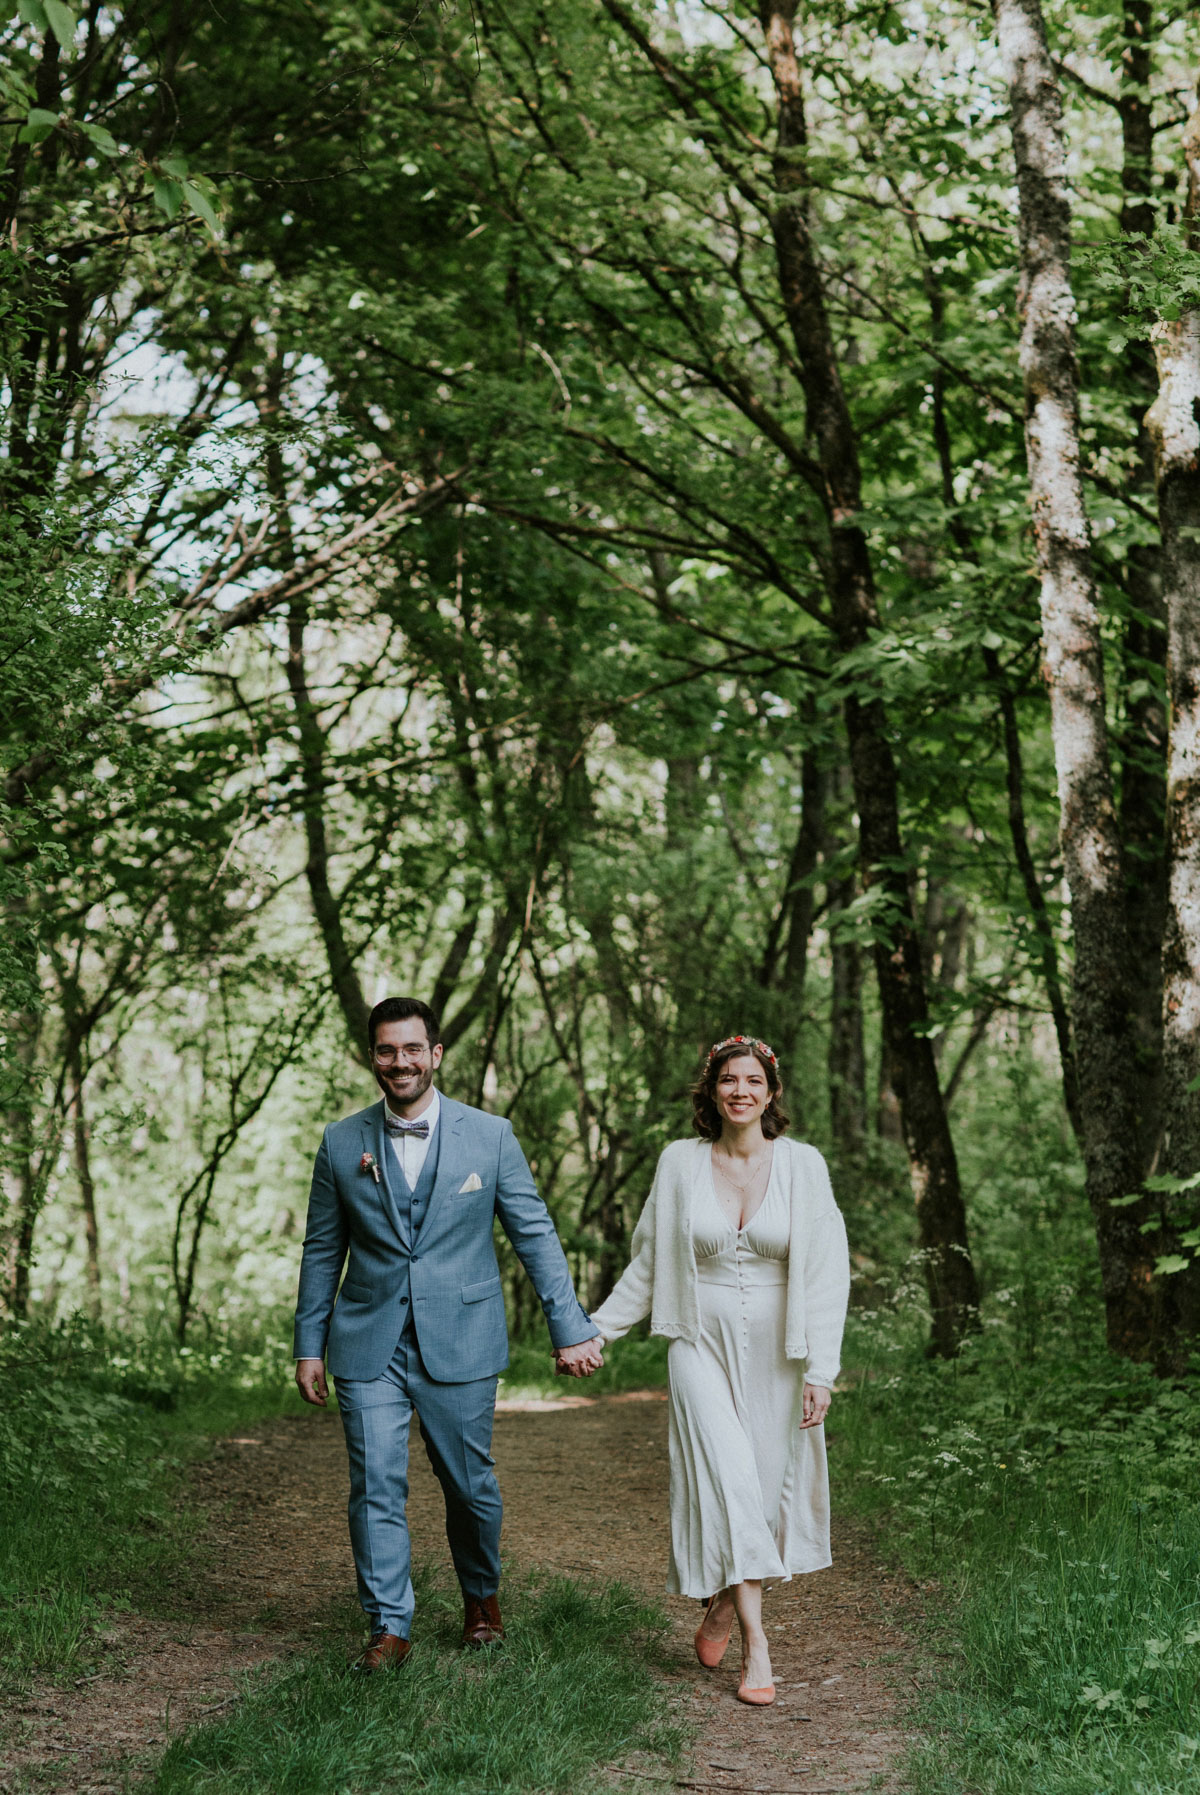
(661, 1277)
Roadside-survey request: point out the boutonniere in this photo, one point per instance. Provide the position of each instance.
(367, 1164)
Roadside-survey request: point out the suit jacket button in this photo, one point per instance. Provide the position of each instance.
(404, 1302)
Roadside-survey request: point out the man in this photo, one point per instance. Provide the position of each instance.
(408, 1188)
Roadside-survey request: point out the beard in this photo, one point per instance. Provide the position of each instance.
(404, 1093)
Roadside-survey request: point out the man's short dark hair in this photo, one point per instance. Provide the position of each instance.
(399, 1009)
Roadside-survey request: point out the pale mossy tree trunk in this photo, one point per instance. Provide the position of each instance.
(941, 1213)
(1174, 425)
(1105, 1039)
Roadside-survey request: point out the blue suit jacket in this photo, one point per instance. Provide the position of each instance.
(448, 1271)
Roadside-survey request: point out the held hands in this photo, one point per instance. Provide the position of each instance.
(816, 1404)
(579, 1361)
(310, 1381)
(570, 1361)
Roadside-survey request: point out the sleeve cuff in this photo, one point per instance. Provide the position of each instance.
(584, 1329)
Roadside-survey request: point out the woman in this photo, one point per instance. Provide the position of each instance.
(740, 1259)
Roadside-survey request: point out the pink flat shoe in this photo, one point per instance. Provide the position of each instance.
(711, 1651)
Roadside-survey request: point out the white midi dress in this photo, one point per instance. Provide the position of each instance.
(749, 1488)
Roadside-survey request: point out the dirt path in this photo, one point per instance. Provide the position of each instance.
(585, 1488)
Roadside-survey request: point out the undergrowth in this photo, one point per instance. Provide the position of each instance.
(96, 1428)
(1054, 1495)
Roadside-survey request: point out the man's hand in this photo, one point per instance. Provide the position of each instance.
(579, 1361)
(310, 1381)
(816, 1400)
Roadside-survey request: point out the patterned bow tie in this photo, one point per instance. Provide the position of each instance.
(394, 1125)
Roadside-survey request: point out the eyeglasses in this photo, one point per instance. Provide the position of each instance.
(387, 1056)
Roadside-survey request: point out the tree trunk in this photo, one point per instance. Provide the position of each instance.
(87, 1188)
(613, 1252)
(1174, 424)
(945, 928)
(950, 1276)
(793, 921)
(1014, 777)
(1141, 751)
(889, 1125)
(33, 1182)
(19, 1253)
(1141, 742)
(681, 802)
(799, 903)
(23, 1188)
(1105, 1042)
(343, 975)
(847, 1058)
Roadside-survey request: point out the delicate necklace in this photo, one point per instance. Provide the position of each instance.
(736, 1183)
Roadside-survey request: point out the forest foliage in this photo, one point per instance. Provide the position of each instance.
(546, 509)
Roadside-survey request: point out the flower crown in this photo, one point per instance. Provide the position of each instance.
(747, 1041)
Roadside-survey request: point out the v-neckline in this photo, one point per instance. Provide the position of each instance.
(751, 1219)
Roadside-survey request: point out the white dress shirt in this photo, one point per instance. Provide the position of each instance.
(410, 1149)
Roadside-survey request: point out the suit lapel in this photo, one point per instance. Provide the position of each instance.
(375, 1141)
(452, 1158)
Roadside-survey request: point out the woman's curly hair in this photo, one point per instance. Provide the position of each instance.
(706, 1117)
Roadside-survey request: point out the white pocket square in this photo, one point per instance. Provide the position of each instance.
(474, 1182)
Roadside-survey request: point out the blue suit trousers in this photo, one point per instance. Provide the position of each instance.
(456, 1427)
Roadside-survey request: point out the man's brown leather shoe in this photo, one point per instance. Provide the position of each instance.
(482, 1624)
(386, 1651)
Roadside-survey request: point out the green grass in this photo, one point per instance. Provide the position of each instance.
(1055, 1497)
(572, 1688)
(95, 1430)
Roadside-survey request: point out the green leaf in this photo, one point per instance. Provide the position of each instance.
(38, 125)
(103, 140)
(200, 202)
(61, 20)
(1165, 1182)
(1169, 1263)
(33, 14)
(168, 195)
(174, 165)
